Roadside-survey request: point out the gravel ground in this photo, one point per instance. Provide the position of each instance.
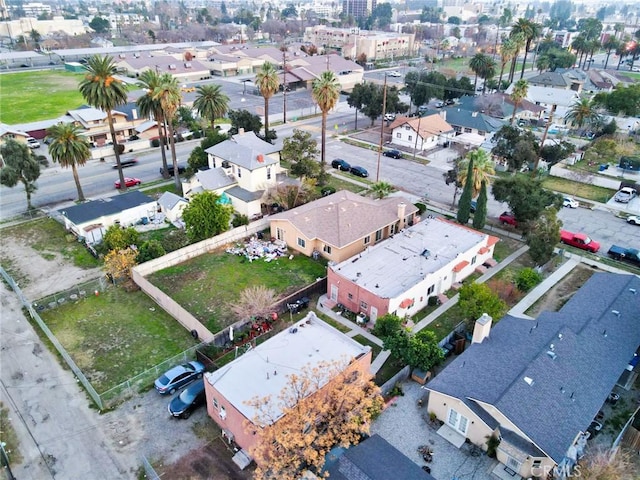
(404, 424)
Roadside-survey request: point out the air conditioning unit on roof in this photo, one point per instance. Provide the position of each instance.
(187, 64)
(172, 67)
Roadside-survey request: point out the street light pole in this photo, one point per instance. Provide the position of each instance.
(284, 89)
(384, 107)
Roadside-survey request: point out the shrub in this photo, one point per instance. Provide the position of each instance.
(149, 250)
(328, 190)
(175, 240)
(155, 143)
(239, 220)
(118, 238)
(421, 208)
(527, 278)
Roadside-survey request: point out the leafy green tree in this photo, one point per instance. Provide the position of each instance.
(70, 149)
(543, 235)
(243, 119)
(526, 197)
(198, 157)
(527, 278)
(621, 101)
(268, 83)
(205, 216)
(381, 189)
(556, 152)
(514, 146)
(101, 89)
(464, 207)
(211, 102)
(555, 58)
(476, 299)
(325, 92)
(300, 151)
(387, 325)
(423, 351)
(100, 25)
(118, 238)
(149, 81)
(149, 250)
(480, 215)
(19, 164)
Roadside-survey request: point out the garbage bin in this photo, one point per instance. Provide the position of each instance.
(602, 168)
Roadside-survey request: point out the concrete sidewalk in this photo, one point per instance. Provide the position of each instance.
(452, 301)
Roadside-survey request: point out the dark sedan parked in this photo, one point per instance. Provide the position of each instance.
(178, 377)
(191, 397)
(170, 169)
(341, 164)
(359, 172)
(392, 153)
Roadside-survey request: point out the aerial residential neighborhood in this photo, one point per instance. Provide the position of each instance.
(347, 240)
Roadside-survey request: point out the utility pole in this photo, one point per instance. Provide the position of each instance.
(415, 147)
(384, 108)
(544, 137)
(284, 88)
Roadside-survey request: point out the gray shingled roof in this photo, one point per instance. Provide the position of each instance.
(592, 347)
(95, 209)
(552, 79)
(459, 117)
(243, 194)
(246, 150)
(168, 200)
(214, 178)
(344, 217)
(375, 459)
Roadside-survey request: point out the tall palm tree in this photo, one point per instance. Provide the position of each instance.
(488, 72)
(69, 148)
(101, 89)
(519, 42)
(478, 64)
(506, 53)
(149, 80)
(167, 93)
(579, 44)
(531, 32)
(483, 168)
(519, 93)
(211, 102)
(610, 45)
(325, 92)
(268, 84)
(582, 112)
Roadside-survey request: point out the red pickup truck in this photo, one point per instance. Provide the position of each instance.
(579, 240)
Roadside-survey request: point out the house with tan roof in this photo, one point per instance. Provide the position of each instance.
(343, 224)
(421, 133)
(182, 70)
(400, 274)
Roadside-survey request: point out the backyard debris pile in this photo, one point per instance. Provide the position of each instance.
(256, 248)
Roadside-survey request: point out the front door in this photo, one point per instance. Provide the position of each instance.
(334, 293)
(374, 313)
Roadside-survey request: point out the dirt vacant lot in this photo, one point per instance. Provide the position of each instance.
(562, 291)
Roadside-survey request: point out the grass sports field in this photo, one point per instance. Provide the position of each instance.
(33, 96)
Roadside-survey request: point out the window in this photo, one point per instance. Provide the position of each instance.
(379, 235)
(239, 172)
(392, 229)
(367, 240)
(350, 296)
(513, 464)
(269, 173)
(457, 421)
(279, 234)
(327, 249)
(431, 289)
(398, 135)
(301, 242)
(363, 306)
(215, 403)
(410, 137)
(467, 130)
(473, 260)
(223, 413)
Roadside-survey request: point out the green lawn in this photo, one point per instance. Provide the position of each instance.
(207, 285)
(375, 348)
(48, 237)
(117, 335)
(9, 438)
(33, 96)
(582, 190)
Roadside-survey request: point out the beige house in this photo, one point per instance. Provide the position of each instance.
(421, 133)
(8, 132)
(342, 225)
(95, 123)
(242, 168)
(535, 386)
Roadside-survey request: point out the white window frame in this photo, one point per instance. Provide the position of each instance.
(458, 422)
(301, 242)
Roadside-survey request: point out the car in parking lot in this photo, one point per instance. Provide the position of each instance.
(507, 218)
(179, 376)
(32, 143)
(570, 202)
(341, 164)
(625, 195)
(191, 398)
(171, 171)
(394, 73)
(392, 153)
(359, 172)
(128, 181)
(633, 220)
(126, 162)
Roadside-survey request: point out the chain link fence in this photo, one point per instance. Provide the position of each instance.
(150, 473)
(52, 338)
(71, 295)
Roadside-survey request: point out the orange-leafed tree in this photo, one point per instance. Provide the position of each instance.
(118, 263)
(329, 404)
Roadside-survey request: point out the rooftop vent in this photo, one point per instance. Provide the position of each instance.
(528, 380)
(632, 290)
(187, 64)
(552, 354)
(616, 313)
(425, 253)
(293, 330)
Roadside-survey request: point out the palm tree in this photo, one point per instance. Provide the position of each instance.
(211, 102)
(519, 42)
(102, 90)
(581, 113)
(325, 92)
(268, 84)
(506, 53)
(519, 93)
(531, 31)
(70, 149)
(167, 93)
(579, 44)
(483, 168)
(477, 63)
(610, 45)
(488, 72)
(149, 80)
(381, 189)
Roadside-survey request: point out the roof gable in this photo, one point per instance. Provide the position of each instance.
(86, 212)
(426, 127)
(246, 150)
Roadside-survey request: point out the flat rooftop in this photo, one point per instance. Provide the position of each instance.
(389, 268)
(263, 370)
